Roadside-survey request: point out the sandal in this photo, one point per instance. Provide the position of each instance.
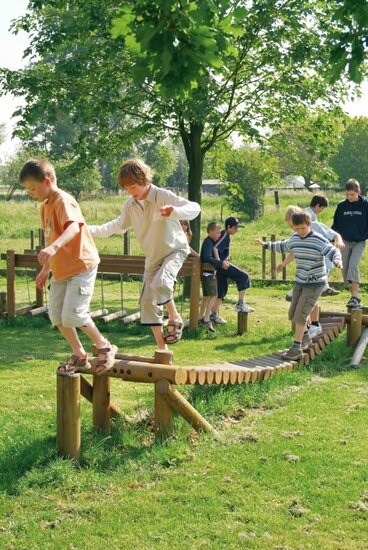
(174, 335)
(74, 364)
(106, 359)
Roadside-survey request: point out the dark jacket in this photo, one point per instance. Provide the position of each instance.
(207, 253)
(351, 220)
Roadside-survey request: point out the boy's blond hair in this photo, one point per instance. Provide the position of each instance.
(37, 169)
(290, 211)
(135, 172)
(352, 185)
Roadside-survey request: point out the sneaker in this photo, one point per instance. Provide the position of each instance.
(330, 292)
(209, 326)
(244, 308)
(306, 342)
(217, 319)
(294, 353)
(201, 321)
(289, 296)
(315, 330)
(354, 302)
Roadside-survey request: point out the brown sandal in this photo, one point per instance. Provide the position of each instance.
(74, 364)
(106, 358)
(174, 335)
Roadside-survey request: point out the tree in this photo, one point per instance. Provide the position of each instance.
(351, 159)
(349, 40)
(243, 65)
(160, 156)
(248, 173)
(305, 146)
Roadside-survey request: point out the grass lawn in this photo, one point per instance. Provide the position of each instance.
(290, 471)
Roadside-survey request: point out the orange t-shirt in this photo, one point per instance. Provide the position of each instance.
(80, 254)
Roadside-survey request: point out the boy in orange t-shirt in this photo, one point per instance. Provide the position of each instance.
(71, 256)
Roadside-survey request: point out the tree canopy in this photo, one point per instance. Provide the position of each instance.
(255, 63)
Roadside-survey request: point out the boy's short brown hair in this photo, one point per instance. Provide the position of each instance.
(37, 169)
(135, 172)
(320, 200)
(299, 218)
(352, 185)
(212, 226)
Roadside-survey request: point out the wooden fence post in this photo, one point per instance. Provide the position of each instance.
(32, 239)
(127, 243)
(273, 259)
(2, 303)
(284, 270)
(194, 293)
(264, 239)
(242, 322)
(68, 415)
(10, 283)
(277, 201)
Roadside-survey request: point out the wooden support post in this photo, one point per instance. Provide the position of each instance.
(163, 416)
(194, 293)
(86, 390)
(355, 328)
(126, 250)
(164, 357)
(68, 416)
(273, 260)
(183, 407)
(2, 303)
(359, 350)
(10, 283)
(32, 239)
(264, 255)
(277, 200)
(242, 322)
(101, 402)
(284, 270)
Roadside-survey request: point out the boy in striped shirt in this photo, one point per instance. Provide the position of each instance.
(309, 249)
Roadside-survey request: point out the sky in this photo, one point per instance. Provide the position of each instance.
(11, 52)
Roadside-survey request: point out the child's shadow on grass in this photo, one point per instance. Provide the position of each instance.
(241, 341)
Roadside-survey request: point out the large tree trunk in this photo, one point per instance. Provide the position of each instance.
(195, 158)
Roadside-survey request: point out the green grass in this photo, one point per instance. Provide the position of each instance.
(290, 471)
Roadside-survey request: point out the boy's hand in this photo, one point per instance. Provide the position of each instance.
(46, 253)
(280, 267)
(340, 244)
(259, 241)
(225, 264)
(42, 278)
(166, 210)
(338, 263)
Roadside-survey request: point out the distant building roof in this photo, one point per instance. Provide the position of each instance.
(213, 182)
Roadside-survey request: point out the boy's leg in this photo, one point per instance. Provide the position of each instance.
(353, 271)
(151, 313)
(242, 280)
(222, 287)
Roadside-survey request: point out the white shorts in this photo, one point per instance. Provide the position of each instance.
(158, 287)
(70, 298)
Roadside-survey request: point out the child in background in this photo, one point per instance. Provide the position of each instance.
(317, 205)
(239, 276)
(209, 282)
(188, 233)
(351, 221)
(71, 256)
(315, 328)
(309, 249)
(154, 213)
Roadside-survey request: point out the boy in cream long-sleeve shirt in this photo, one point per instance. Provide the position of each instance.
(154, 213)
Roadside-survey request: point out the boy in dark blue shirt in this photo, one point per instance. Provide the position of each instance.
(240, 277)
(209, 282)
(351, 221)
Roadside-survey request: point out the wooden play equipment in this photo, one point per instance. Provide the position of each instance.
(357, 333)
(160, 371)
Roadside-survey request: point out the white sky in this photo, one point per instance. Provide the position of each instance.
(11, 52)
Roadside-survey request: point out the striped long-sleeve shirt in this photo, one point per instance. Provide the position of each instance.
(309, 255)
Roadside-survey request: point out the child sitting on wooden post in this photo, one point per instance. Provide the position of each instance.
(154, 213)
(71, 256)
(309, 249)
(209, 281)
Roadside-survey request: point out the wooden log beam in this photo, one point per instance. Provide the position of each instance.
(37, 311)
(136, 371)
(346, 316)
(112, 316)
(98, 313)
(178, 402)
(131, 318)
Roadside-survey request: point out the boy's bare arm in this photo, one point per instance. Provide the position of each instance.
(68, 235)
(289, 258)
(42, 275)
